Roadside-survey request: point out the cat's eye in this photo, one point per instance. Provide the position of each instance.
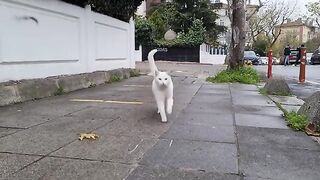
(160, 79)
(165, 78)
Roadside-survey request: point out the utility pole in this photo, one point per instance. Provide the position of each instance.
(238, 37)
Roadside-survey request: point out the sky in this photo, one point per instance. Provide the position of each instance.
(302, 10)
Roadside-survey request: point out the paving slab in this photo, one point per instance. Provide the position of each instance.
(205, 118)
(52, 106)
(101, 113)
(201, 133)
(252, 100)
(148, 127)
(243, 87)
(209, 108)
(277, 162)
(62, 169)
(287, 100)
(253, 120)
(215, 86)
(11, 163)
(211, 98)
(276, 137)
(22, 119)
(193, 155)
(164, 173)
(291, 108)
(236, 92)
(7, 131)
(48, 137)
(122, 149)
(260, 110)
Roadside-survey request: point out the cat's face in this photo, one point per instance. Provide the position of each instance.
(162, 79)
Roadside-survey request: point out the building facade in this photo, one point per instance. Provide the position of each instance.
(299, 30)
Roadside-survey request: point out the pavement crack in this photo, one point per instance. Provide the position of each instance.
(235, 132)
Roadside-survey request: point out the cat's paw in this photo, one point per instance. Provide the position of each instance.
(158, 111)
(169, 110)
(164, 120)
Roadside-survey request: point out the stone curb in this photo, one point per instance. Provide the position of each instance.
(20, 91)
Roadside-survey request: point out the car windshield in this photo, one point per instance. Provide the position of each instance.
(249, 54)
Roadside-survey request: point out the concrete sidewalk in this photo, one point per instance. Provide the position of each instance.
(217, 131)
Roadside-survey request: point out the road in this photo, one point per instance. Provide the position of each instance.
(291, 74)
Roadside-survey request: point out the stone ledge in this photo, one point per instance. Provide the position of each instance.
(20, 91)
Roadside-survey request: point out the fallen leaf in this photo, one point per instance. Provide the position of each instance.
(92, 136)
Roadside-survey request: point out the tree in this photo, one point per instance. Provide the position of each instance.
(238, 37)
(143, 31)
(120, 9)
(314, 9)
(313, 44)
(260, 46)
(159, 23)
(270, 20)
(237, 15)
(180, 14)
(194, 37)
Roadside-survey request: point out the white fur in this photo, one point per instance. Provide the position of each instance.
(162, 88)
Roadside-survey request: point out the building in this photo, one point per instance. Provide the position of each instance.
(224, 20)
(297, 29)
(147, 5)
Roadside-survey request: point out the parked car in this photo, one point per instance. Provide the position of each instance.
(275, 60)
(251, 56)
(263, 60)
(315, 58)
(292, 57)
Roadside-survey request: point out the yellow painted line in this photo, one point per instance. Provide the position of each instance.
(136, 85)
(105, 101)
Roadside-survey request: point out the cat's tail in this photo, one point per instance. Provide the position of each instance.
(152, 64)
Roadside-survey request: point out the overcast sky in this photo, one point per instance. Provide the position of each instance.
(301, 9)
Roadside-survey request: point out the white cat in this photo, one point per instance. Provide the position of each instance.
(162, 88)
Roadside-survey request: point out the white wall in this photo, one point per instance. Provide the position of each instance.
(138, 54)
(207, 57)
(46, 38)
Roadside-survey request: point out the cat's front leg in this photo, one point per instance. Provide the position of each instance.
(162, 111)
(169, 105)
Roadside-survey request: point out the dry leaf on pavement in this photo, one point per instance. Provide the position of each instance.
(92, 136)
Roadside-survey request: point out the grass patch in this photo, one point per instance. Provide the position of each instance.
(134, 72)
(59, 91)
(115, 78)
(245, 75)
(294, 120)
(263, 91)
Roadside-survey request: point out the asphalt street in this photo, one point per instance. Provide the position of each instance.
(291, 74)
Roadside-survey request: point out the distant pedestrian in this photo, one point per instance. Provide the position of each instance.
(298, 55)
(286, 54)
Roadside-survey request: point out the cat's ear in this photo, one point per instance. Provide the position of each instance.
(156, 73)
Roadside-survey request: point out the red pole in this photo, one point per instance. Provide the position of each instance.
(302, 74)
(270, 64)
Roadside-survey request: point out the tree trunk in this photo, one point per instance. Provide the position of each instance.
(238, 38)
